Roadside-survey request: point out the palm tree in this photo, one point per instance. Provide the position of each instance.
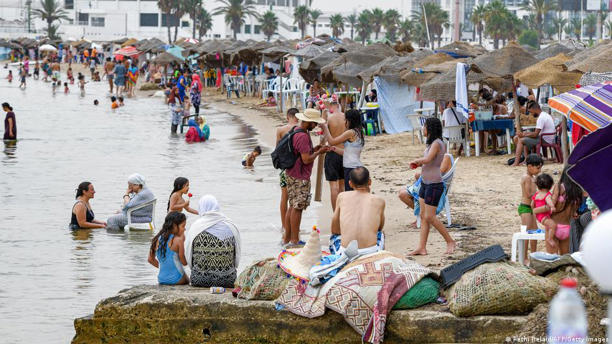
(352, 19)
(608, 26)
(576, 25)
(477, 18)
(391, 22)
(269, 24)
(204, 22)
(377, 17)
(192, 7)
(406, 29)
(179, 10)
(364, 25)
(235, 12)
(497, 20)
(590, 25)
(559, 23)
(336, 22)
(50, 12)
(301, 16)
(437, 19)
(314, 15)
(167, 7)
(539, 8)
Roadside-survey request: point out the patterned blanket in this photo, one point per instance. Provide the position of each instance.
(364, 292)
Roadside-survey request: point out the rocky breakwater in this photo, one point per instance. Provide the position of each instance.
(168, 314)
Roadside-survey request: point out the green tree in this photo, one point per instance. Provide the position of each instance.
(406, 29)
(559, 24)
(269, 24)
(477, 18)
(352, 19)
(301, 17)
(529, 37)
(167, 7)
(192, 7)
(364, 25)
(377, 17)
(500, 23)
(608, 26)
(204, 22)
(590, 25)
(235, 12)
(51, 11)
(391, 23)
(314, 16)
(336, 22)
(437, 19)
(539, 8)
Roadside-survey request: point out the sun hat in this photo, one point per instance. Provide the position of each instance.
(310, 115)
(297, 262)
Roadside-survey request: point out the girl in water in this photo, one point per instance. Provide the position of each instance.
(176, 201)
(167, 252)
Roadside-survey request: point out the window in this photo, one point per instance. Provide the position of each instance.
(217, 35)
(69, 4)
(172, 21)
(83, 18)
(247, 29)
(261, 2)
(295, 3)
(295, 29)
(256, 29)
(97, 21)
(149, 19)
(184, 23)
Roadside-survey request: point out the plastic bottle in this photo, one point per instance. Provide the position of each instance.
(567, 320)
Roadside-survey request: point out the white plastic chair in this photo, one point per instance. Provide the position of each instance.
(417, 125)
(145, 226)
(447, 178)
(518, 246)
(454, 136)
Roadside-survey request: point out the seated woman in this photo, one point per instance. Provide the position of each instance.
(212, 247)
(198, 131)
(406, 194)
(136, 194)
(82, 215)
(167, 252)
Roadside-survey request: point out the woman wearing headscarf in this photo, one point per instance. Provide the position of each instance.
(196, 92)
(136, 194)
(212, 247)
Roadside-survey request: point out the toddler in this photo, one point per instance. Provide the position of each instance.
(543, 207)
(249, 158)
(10, 76)
(66, 89)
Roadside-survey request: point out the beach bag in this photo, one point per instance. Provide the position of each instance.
(263, 280)
(424, 292)
(283, 156)
(498, 288)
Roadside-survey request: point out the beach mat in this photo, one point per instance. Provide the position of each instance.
(452, 273)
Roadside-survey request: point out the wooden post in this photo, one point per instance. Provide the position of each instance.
(515, 109)
(564, 139)
(281, 82)
(362, 95)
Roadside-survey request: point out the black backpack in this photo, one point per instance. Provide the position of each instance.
(283, 156)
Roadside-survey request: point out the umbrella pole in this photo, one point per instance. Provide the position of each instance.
(564, 139)
(362, 95)
(515, 109)
(281, 83)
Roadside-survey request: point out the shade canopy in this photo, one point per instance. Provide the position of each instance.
(589, 106)
(597, 59)
(551, 71)
(461, 50)
(167, 58)
(127, 51)
(347, 66)
(47, 47)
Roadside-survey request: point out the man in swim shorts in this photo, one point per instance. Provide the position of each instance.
(292, 121)
(334, 170)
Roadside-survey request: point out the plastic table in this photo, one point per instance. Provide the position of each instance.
(494, 124)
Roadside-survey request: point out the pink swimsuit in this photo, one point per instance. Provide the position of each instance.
(539, 203)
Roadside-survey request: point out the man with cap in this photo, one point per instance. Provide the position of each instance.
(298, 176)
(334, 170)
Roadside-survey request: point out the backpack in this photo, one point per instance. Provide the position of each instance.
(283, 156)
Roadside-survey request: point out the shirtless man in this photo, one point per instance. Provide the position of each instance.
(334, 171)
(359, 215)
(292, 121)
(55, 67)
(109, 70)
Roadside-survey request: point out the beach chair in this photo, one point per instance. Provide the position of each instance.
(417, 125)
(454, 136)
(554, 147)
(447, 178)
(146, 226)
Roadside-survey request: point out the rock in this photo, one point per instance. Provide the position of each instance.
(173, 314)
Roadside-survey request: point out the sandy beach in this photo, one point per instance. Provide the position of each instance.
(485, 191)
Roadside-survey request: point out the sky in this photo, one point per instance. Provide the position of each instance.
(347, 6)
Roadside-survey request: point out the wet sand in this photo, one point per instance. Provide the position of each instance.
(485, 191)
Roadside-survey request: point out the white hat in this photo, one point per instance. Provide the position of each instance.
(310, 115)
(297, 262)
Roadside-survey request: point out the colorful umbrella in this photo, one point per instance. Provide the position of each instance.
(590, 165)
(191, 40)
(127, 51)
(47, 47)
(176, 51)
(589, 106)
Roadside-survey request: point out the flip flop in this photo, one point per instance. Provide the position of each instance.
(455, 225)
(466, 228)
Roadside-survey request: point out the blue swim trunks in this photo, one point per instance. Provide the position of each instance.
(335, 242)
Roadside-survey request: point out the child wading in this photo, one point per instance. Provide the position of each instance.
(168, 250)
(249, 158)
(176, 201)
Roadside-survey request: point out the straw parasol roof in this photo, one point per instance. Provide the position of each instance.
(309, 51)
(551, 71)
(442, 86)
(311, 69)
(131, 41)
(393, 66)
(553, 50)
(418, 76)
(462, 49)
(498, 66)
(597, 59)
(347, 66)
(167, 58)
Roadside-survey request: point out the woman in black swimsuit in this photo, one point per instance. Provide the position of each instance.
(82, 215)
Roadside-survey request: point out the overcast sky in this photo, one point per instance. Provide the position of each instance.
(348, 6)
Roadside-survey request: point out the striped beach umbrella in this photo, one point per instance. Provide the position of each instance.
(127, 51)
(589, 106)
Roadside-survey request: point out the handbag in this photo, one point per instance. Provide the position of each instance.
(459, 123)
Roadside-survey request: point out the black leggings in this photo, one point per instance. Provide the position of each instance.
(197, 109)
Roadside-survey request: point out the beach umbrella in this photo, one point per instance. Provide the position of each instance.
(590, 164)
(47, 47)
(308, 51)
(596, 59)
(553, 50)
(551, 71)
(589, 106)
(176, 51)
(461, 50)
(129, 42)
(347, 66)
(127, 51)
(167, 58)
(191, 40)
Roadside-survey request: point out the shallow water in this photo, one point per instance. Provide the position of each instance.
(50, 275)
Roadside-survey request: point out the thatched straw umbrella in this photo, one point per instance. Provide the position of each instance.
(167, 58)
(346, 67)
(418, 76)
(462, 49)
(598, 59)
(310, 69)
(553, 50)
(551, 71)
